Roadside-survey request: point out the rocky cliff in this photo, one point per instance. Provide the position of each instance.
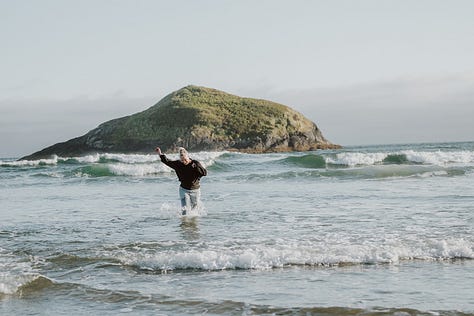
(200, 118)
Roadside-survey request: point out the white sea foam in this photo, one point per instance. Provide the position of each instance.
(32, 163)
(439, 157)
(354, 159)
(123, 169)
(423, 157)
(266, 257)
(85, 159)
(207, 158)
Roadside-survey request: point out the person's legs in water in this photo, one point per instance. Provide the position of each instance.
(195, 196)
(190, 199)
(185, 200)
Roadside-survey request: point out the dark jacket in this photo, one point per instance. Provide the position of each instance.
(189, 174)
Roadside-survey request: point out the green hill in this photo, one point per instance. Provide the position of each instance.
(200, 118)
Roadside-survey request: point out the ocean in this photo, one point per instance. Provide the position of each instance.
(365, 230)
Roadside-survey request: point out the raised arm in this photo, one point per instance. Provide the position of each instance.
(164, 159)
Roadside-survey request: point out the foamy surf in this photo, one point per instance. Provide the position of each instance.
(204, 157)
(30, 163)
(377, 164)
(109, 164)
(262, 257)
(352, 159)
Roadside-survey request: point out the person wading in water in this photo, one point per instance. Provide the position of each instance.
(189, 172)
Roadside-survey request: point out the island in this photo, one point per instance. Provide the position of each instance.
(199, 119)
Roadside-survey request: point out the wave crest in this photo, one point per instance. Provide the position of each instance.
(441, 158)
(23, 284)
(263, 257)
(307, 161)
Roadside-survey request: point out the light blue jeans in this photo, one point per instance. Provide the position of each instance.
(190, 199)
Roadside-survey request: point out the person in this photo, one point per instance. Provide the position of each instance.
(189, 172)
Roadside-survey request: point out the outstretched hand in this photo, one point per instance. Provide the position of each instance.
(158, 150)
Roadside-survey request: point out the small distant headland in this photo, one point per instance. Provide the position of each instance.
(200, 119)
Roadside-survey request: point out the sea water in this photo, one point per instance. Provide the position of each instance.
(370, 230)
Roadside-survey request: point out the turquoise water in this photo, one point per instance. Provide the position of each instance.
(370, 230)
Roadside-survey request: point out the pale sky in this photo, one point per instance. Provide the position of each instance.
(365, 71)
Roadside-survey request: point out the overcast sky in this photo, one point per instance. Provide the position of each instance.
(366, 71)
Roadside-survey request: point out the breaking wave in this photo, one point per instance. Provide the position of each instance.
(109, 164)
(406, 158)
(403, 157)
(344, 164)
(261, 257)
(23, 284)
(17, 275)
(106, 158)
